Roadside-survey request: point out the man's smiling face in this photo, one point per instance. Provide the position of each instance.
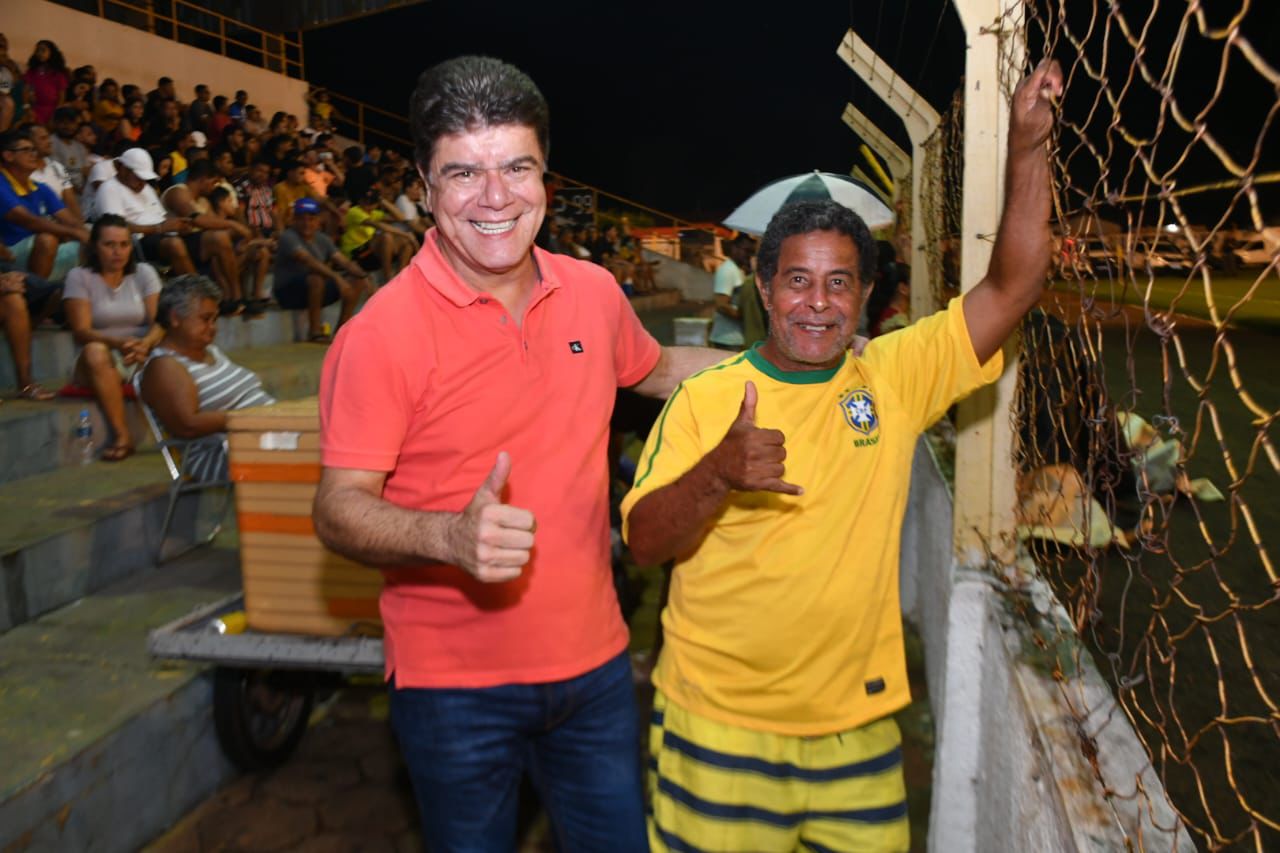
(485, 189)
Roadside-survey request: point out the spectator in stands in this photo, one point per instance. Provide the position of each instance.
(15, 320)
(411, 205)
(11, 87)
(67, 150)
(359, 174)
(108, 109)
(41, 234)
(321, 109)
(889, 303)
(111, 309)
(253, 123)
(316, 172)
(219, 121)
(253, 254)
(234, 143)
(128, 195)
(79, 98)
(87, 136)
(51, 173)
(188, 382)
(201, 109)
(211, 240)
(277, 125)
(164, 91)
(236, 109)
(280, 149)
(130, 129)
(101, 172)
(307, 269)
(163, 126)
(288, 191)
(47, 78)
(182, 143)
(373, 242)
(258, 199)
(224, 168)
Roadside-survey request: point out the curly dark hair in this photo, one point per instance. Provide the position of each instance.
(804, 217)
(471, 92)
(55, 62)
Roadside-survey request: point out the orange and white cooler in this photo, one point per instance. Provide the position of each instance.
(292, 583)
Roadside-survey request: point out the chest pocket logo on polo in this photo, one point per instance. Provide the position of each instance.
(859, 410)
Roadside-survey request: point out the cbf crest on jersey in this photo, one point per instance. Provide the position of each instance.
(859, 410)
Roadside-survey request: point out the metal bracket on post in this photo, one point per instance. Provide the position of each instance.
(884, 147)
(921, 120)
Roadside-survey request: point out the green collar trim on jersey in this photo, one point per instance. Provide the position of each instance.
(791, 377)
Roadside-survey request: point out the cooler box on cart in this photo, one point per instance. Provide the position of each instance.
(292, 583)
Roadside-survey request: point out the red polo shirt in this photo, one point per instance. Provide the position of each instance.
(428, 383)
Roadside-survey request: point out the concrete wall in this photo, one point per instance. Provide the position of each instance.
(133, 56)
(1009, 771)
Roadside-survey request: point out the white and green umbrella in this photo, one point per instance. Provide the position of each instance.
(753, 215)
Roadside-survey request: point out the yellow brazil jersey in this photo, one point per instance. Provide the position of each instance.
(786, 616)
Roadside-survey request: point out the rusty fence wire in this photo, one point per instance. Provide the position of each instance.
(1149, 482)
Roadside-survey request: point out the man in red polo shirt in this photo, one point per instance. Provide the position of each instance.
(465, 417)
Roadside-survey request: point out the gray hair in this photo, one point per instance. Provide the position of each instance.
(181, 295)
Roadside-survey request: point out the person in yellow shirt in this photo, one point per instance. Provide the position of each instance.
(370, 240)
(778, 480)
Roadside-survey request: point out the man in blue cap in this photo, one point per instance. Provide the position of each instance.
(311, 272)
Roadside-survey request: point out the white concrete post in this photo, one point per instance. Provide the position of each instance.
(985, 489)
(921, 120)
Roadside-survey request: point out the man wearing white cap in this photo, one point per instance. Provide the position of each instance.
(129, 195)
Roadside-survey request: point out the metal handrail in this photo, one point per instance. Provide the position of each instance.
(268, 39)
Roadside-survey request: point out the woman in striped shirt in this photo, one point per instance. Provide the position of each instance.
(188, 382)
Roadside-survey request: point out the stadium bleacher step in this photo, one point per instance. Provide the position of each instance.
(35, 437)
(53, 351)
(103, 747)
(68, 530)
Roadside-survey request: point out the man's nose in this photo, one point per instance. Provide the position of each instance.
(496, 193)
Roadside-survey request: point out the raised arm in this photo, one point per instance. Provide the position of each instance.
(1020, 260)
(670, 521)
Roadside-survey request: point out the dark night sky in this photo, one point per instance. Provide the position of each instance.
(690, 107)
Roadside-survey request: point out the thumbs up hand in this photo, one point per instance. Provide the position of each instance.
(748, 458)
(491, 540)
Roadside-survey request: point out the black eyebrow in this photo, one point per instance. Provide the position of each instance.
(476, 167)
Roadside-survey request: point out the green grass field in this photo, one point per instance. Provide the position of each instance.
(1261, 310)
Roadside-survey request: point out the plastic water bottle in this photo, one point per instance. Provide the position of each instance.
(83, 446)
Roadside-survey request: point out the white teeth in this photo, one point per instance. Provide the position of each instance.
(494, 227)
(809, 328)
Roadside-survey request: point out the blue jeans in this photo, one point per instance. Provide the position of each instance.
(466, 750)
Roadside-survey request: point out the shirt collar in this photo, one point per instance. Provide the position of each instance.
(441, 275)
(19, 188)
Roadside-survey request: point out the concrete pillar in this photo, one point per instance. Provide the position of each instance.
(985, 489)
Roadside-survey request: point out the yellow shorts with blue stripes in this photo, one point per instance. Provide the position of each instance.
(718, 787)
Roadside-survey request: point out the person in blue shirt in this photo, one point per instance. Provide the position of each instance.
(41, 234)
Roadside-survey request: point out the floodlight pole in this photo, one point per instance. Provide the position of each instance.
(921, 120)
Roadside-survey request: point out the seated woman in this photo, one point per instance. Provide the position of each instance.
(188, 382)
(111, 308)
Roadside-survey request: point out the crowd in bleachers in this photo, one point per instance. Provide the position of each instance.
(108, 191)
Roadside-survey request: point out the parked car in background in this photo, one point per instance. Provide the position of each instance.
(1259, 250)
(1161, 255)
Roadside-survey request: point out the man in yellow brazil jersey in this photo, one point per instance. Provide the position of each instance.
(778, 480)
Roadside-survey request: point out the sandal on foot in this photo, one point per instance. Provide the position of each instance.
(37, 393)
(320, 339)
(117, 453)
(231, 307)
